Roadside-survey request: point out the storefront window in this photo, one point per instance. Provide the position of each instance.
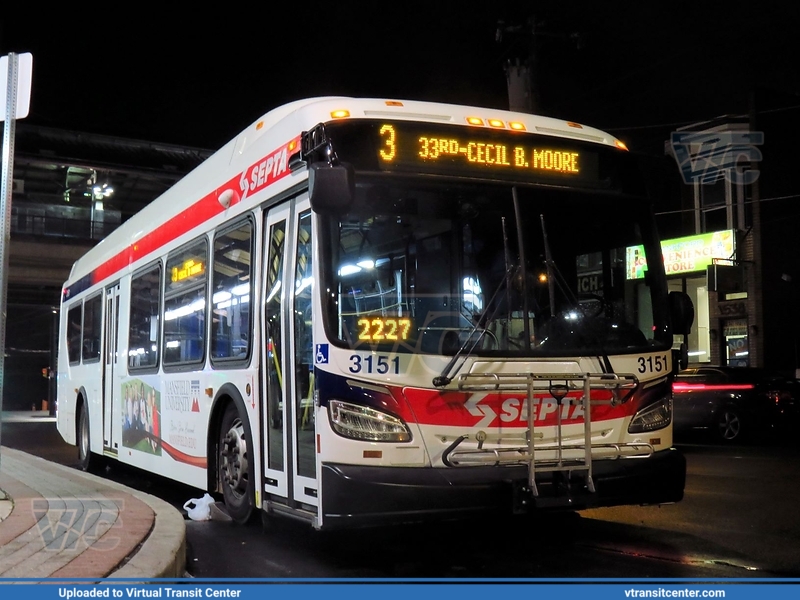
(699, 340)
(737, 353)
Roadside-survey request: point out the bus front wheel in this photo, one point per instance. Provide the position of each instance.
(234, 466)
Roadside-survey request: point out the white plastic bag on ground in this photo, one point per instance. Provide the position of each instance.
(199, 509)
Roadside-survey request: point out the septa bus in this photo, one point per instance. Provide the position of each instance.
(367, 311)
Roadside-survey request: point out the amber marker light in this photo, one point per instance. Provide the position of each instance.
(516, 125)
(393, 103)
(620, 144)
(574, 124)
(340, 114)
(496, 123)
(474, 121)
(259, 125)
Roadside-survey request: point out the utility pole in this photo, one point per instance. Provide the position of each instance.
(755, 286)
(521, 71)
(15, 93)
(522, 76)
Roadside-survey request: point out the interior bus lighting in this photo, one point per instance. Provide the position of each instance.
(475, 121)
(496, 123)
(340, 114)
(349, 270)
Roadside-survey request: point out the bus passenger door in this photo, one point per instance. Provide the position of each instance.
(111, 408)
(274, 352)
(303, 430)
(290, 448)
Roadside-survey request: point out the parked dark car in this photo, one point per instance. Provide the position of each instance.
(734, 403)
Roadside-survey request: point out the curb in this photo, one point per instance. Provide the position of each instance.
(161, 553)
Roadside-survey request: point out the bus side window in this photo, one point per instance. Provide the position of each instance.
(74, 334)
(144, 321)
(184, 305)
(92, 326)
(230, 295)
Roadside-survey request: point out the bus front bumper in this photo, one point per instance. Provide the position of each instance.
(360, 496)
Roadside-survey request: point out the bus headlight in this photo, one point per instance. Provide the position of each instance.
(653, 416)
(365, 423)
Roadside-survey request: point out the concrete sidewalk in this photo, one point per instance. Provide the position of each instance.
(59, 522)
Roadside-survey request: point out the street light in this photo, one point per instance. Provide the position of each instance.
(99, 193)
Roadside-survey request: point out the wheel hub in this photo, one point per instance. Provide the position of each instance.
(234, 458)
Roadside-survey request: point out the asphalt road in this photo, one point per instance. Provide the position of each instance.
(738, 519)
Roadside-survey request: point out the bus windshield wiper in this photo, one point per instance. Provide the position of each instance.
(554, 276)
(444, 377)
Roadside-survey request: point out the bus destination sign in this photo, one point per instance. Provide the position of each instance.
(469, 152)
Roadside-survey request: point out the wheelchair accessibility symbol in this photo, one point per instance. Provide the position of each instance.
(321, 354)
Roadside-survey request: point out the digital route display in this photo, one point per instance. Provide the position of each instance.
(483, 153)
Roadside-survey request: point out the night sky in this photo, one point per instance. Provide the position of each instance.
(198, 79)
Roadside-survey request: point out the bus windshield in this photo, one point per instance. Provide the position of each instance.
(440, 268)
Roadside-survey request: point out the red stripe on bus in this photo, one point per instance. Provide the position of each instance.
(183, 222)
(509, 409)
(195, 461)
(256, 177)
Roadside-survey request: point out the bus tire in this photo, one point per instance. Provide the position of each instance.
(86, 460)
(234, 466)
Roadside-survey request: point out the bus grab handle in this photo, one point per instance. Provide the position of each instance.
(446, 454)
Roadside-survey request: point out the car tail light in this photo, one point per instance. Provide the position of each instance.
(680, 386)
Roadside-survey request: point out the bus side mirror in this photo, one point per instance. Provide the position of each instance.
(682, 313)
(331, 189)
(680, 358)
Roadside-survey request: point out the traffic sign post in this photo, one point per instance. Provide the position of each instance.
(15, 93)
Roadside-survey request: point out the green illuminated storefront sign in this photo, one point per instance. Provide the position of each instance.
(685, 254)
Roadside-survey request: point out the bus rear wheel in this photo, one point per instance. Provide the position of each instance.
(87, 461)
(234, 466)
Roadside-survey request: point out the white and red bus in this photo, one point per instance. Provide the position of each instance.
(368, 311)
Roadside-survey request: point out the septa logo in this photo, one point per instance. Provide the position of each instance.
(494, 410)
(268, 170)
(491, 409)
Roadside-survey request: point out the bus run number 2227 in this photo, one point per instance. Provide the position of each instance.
(365, 311)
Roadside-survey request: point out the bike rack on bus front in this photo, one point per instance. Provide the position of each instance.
(552, 458)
